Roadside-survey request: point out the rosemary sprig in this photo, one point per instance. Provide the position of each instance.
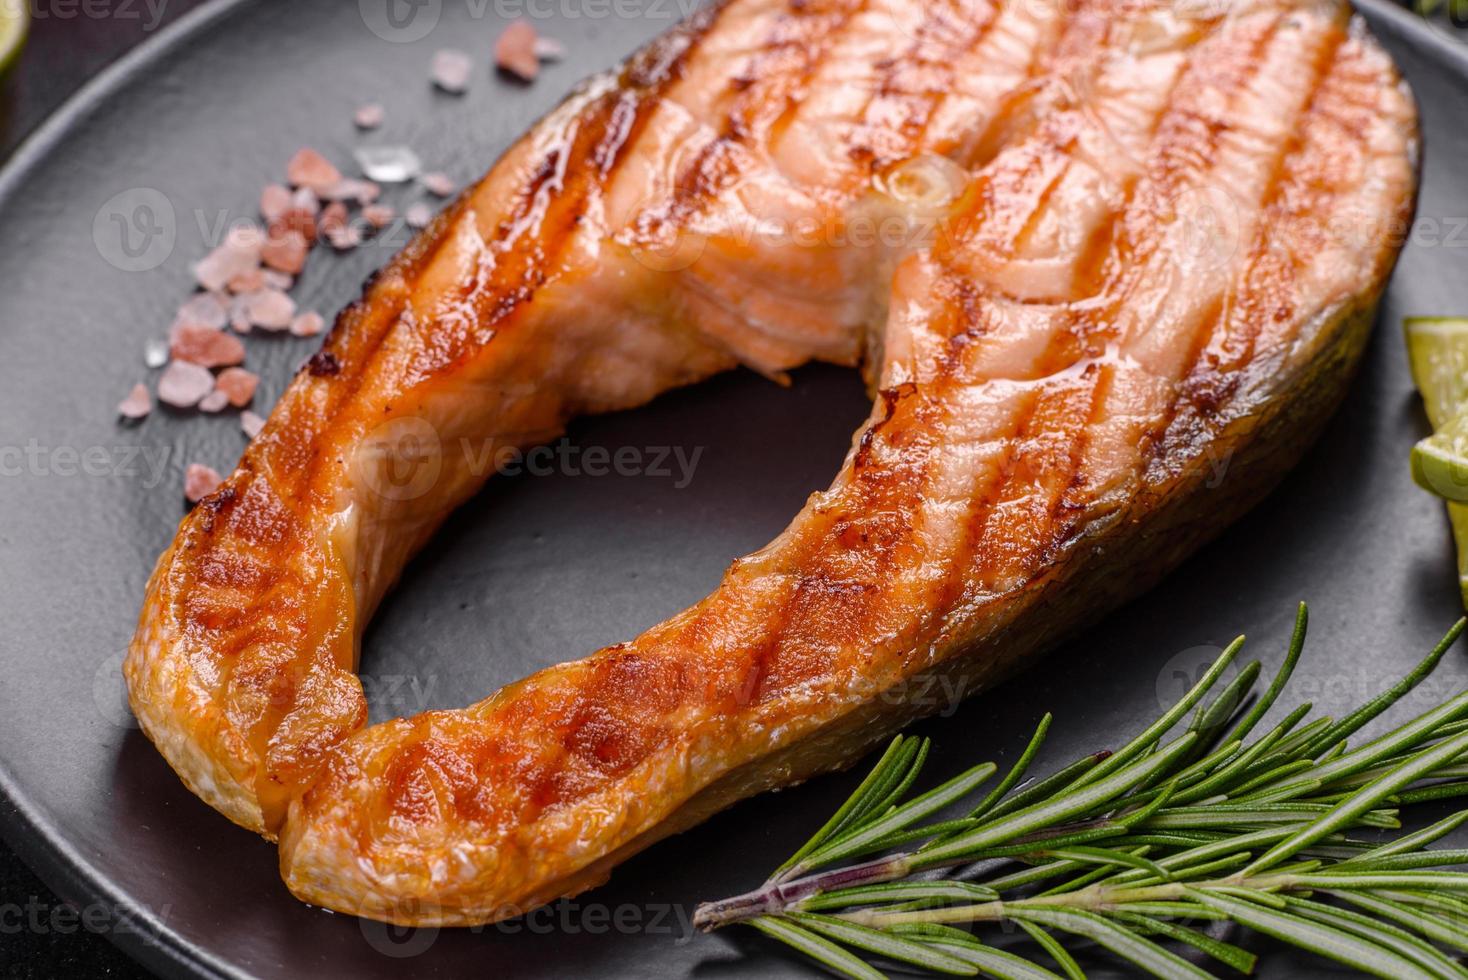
(1138, 851)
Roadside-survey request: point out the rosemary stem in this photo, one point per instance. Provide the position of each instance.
(1095, 898)
(779, 896)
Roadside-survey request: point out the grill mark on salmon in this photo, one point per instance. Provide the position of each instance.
(1051, 365)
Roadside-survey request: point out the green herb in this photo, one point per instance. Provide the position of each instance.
(1140, 851)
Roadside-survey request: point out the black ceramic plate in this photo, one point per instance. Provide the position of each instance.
(105, 209)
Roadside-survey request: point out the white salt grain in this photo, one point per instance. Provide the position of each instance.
(388, 164)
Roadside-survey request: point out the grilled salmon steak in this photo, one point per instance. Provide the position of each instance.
(1107, 265)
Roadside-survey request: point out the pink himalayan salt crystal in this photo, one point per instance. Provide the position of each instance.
(237, 385)
(284, 251)
(247, 282)
(345, 237)
(369, 116)
(200, 481)
(333, 217)
(352, 189)
(238, 253)
(418, 215)
(205, 309)
(205, 346)
(270, 309)
(439, 184)
(137, 404)
(338, 228)
(305, 199)
(308, 324)
(514, 52)
(184, 385)
(311, 170)
(299, 220)
(275, 200)
(379, 215)
(452, 70)
(275, 279)
(239, 313)
(251, 424)
(215, 401)
(549, 49)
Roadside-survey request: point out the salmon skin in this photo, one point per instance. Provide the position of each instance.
(1107, 265)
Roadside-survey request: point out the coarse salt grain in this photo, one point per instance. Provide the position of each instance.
(184, 385)
(549, 49)
(239, 252)
(284, 251)
(369, 116)
(345, 237)
(275, 279)
(333, 217)
(379, 215)
(206, 346)
(237, 385)
(514, 52)
(452, 70)
(438, 184)
(275, 200)
(251, 424)
(205, 309)
(418, 215)
(155, 353)
(298, 220)
(352, 189)
(307, 324)
(239, 313)
(247, 282)
(305, 199)
(200, 481)
(270, 309)
(311, 170)
(137, 404)
(389, 164)
(215, 401)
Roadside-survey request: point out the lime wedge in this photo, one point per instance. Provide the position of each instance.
(1440, 462)
(1458, 515)
(15, 20)
(1438, 350)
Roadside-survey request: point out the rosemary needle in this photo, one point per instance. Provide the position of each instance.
(1127, 851)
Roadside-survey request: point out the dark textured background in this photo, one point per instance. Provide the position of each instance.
(61, 53)
(1394, 552)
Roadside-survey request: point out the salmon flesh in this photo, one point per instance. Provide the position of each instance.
(1083, 250)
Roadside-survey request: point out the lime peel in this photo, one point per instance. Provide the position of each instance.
(1437, 348)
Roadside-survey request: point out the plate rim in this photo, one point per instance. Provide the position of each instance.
(24, 826)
